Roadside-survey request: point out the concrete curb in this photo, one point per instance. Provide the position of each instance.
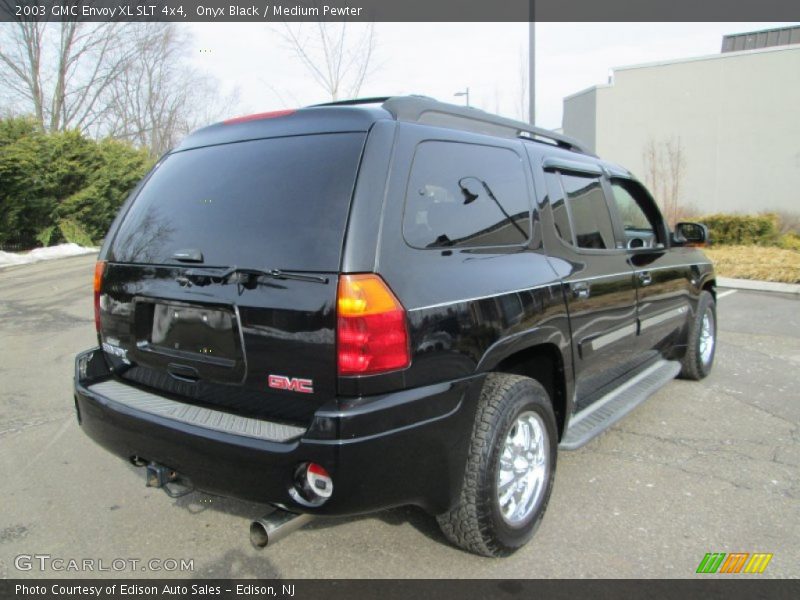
(758, 286)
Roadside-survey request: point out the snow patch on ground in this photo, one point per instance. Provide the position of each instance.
(37, 254)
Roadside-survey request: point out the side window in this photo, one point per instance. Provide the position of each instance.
(639, 215)
(466, 195)
(630, 213)
(591, 220)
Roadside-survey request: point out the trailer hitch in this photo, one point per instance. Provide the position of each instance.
(159, 476)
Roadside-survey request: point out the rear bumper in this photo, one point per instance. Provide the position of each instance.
(404, 448)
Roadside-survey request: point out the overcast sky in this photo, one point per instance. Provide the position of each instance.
(439, 59)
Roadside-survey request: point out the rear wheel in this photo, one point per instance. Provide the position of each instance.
(509, 471)
(702, 340)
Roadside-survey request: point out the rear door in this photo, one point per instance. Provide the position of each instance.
(220, 285)
(598, 280)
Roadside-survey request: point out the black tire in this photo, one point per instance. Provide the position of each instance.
(696, 364)
(476, 523)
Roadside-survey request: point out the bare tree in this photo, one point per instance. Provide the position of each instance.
(157, 97)
(665, 166)
(126, 81)
(336, 55)
(61, 72)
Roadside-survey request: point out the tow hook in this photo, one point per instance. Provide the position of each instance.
(159, 476)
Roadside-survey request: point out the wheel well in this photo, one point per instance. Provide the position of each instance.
(544, 364)
(710, 286)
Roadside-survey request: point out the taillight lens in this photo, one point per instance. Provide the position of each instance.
(99, 269)
(371, 333)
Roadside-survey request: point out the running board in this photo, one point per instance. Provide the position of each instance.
(599, 416)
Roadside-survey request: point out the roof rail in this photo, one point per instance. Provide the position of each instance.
(428, 111)
(354, 102)
(421, 109)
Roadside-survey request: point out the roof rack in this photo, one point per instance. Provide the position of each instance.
(428, 111)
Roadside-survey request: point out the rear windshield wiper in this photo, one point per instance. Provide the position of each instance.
(246, 274)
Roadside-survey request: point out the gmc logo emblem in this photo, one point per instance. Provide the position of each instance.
(292, 384)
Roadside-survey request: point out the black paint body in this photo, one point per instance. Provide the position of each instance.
(578, 319)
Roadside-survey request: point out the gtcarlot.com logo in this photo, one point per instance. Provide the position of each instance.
(734, 563)
(48, 562)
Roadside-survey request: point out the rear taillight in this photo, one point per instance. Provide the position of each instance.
(371, 332)
(99, 269)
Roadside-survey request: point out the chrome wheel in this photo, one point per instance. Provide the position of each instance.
(707, 338)
(523, 471)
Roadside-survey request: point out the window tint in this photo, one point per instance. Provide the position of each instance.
(590, 217)
(630, 213)
(466, 195)
(274, 203)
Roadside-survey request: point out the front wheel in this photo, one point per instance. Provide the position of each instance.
(702, 342)
(509, 471)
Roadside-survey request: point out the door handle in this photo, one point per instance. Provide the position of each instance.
(645, 278)
(581, 290)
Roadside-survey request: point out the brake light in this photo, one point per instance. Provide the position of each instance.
(371, 332)
(99, 270)
(259, 116)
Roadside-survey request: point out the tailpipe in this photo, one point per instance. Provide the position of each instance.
(275, 526)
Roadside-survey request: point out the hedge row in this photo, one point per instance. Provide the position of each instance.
(748, 230)
(62, 186)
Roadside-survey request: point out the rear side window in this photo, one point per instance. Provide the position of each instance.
(273, 203)
(591, 221)
(466, 195)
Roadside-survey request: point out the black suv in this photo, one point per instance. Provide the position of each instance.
(384, 302)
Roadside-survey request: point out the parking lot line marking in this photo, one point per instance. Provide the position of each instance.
(728, 293)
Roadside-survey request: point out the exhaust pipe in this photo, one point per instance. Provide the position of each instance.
(275, 526)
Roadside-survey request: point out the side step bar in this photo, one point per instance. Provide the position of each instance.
(595, 419)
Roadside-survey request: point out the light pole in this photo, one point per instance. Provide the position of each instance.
(464, 93)
(532, 68)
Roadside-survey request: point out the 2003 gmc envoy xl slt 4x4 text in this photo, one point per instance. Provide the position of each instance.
(383, 302)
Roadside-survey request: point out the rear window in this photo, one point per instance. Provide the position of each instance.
(274, 203)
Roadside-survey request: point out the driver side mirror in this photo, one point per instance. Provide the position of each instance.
(690, 234)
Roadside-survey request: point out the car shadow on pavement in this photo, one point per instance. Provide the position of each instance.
(237, 564)
(403, 515)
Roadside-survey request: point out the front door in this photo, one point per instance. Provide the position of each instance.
(663, 278)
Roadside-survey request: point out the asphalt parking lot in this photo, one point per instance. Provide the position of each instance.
(700, 467)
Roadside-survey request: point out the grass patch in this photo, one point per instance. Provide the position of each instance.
(756, 262)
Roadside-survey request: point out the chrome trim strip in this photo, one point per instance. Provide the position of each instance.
(613, 336)
(660, 318)
(694, 264)
(194, 415)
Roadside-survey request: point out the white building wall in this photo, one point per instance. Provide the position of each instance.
(580, 116)
(737, 116)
